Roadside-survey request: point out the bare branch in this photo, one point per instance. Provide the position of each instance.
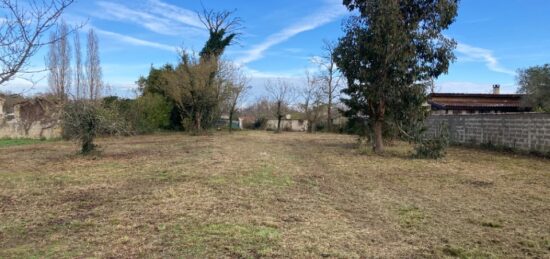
(59, 63)
(215, 21)
(94, 73)
(329, 76)
(281, 93)
(22, 31)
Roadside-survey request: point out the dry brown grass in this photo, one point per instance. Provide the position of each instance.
(254, 194)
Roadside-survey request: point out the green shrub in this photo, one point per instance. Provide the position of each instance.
(153, 113)
(432, 147)
(260, 123)
(319, 126)
(147, 113)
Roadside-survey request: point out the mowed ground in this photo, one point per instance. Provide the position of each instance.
(259, 194)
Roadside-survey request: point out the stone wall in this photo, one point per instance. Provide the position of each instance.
(288, 125)
(523, 131)
(1, 107)
(35, 118)
(13, 129)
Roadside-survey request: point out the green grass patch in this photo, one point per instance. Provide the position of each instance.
(459, 252)
(410, 216)
(266, 177)
(233, 240)
(262, 177)
(8, 142)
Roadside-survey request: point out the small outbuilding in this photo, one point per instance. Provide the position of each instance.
(288, 124)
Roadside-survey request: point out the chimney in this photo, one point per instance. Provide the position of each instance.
(496, 89)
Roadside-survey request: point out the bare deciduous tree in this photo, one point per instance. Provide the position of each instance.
(329, 76)
(223, 28)
(312, 95)
(281, 93)
(79, 79)
(58, 62)
(94, 74)
(261, 108)
(236, 90)
(21, 32)
(220, 20)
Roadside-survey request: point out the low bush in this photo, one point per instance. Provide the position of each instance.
(433, 147)
(147, 113)
(153, 113)
(84, 120)
(260, 123)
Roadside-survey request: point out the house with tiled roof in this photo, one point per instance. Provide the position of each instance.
(464, 103)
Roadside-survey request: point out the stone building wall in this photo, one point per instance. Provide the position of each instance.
(1, 108)
(37, 118)
(288, 125)
(523, 131)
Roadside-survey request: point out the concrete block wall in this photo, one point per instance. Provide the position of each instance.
(523, 131)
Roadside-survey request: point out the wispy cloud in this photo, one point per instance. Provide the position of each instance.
(156, 16)
(151, 22)
(271, 74)
(173, 12)
(472, 53)
(135, 41)
(331, 11)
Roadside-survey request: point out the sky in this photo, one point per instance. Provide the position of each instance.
(280, 38)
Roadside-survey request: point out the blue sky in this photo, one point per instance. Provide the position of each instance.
(280, 37)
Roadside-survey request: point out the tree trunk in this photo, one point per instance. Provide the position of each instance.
(279, 116)
(378, 128)
(329, 112)
(231, 120)
(378, 140)
(198, 118)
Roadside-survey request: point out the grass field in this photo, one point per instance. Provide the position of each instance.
(6, 142)
(255, 194)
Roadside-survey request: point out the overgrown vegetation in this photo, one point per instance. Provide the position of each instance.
(201, 87)
(146, 114)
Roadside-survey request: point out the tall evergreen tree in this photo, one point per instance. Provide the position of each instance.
(389, 50)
